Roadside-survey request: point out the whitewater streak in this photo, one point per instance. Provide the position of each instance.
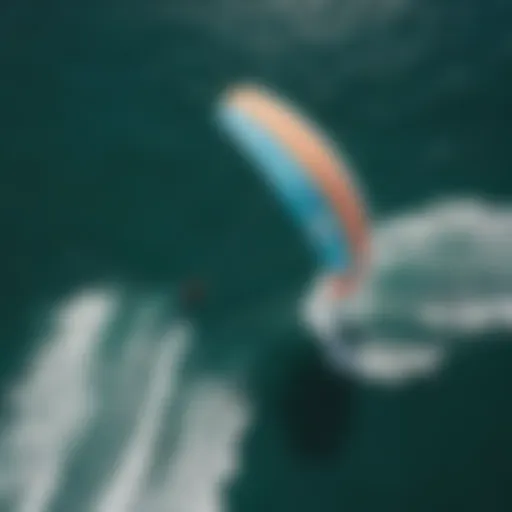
(127, 483)
(53, 405)
(446, 267)
(64, 397)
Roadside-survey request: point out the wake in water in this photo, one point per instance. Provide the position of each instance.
(90, 421)
(441, 275)
(54, 403)
(106, 419)
(444, 268)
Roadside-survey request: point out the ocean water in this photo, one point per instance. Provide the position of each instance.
(116, 188)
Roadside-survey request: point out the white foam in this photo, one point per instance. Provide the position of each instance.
(207, 453)
(127, 484)
(70, 392)
(472, 315)
(53, 404)
(439, 274)
(390, 363)
(447, 265)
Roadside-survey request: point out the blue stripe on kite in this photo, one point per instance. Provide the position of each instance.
(309, 207)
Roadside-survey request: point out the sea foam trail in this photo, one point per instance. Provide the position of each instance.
(207, 453)
(73, 394)
(53, 405)
(440, 273)
(446, 267)
(127, 483)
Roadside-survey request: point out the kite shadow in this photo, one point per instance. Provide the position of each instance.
(316, 409)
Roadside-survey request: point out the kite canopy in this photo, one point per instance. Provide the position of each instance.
(306, 172)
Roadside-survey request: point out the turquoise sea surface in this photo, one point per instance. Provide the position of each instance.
(115, 188)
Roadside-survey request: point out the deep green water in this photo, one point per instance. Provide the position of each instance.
(111, 172)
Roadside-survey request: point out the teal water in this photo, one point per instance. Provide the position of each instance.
(116, 185)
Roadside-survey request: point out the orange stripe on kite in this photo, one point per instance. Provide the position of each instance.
(317, 157)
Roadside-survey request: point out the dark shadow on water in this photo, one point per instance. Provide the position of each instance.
(316, 409)
(300, 428)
